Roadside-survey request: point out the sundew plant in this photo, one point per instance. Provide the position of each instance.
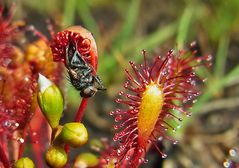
(86, 84)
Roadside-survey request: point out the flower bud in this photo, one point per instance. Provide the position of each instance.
(24, 162)
(86, 160)
(50, 101)
(56, 156)
(74, 134)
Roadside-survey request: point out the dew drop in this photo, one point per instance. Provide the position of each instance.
(10, 125)
(140, 161)
(204, 80)
(117, 100)
(180, 119)
(20, 140)
(115, 138)
(127, 157)
(121, 93)
(122, 125)
(160, 138)
(164, 73)
(175, 142)
(143, 160)
(164, 156)
(192, 74)
(140, 151)
(227, 164)
(146, 160)
(26, 79)
(190, 97)
(118, 118)
(126, 85)
(116, 127)
(233, 152)
(194, 101)
(118, 152)
(122, 133)
(193, 82)
(122, 146)
(209, 58)
(112, 113)
(198, 60)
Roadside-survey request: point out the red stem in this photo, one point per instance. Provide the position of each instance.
(3, 158)
(37, 152)
(78, 118)
(37, 123)
(81, 110)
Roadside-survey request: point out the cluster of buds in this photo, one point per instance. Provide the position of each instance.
(73, 134)
(50, 99)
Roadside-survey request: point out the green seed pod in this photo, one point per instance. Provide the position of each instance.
(24, 162)
(50, 101)
(86, 160)
(74, 134)
(56, 157)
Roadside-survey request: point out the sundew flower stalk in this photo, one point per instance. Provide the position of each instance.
(154, 94)
(84, 43)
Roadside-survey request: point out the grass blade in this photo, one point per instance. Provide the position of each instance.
(221, 56)
(184, 25)
(129, 24)
(69, 13)
(83, 9)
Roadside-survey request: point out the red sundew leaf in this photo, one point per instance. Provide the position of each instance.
(8, 32)
(81, 38)
(156, 91)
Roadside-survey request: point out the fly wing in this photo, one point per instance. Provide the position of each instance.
(70, 51)
(74, 58)
(98, 83)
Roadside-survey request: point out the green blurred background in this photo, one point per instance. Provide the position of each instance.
(122, 28)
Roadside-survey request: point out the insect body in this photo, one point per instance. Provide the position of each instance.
(82, 75)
